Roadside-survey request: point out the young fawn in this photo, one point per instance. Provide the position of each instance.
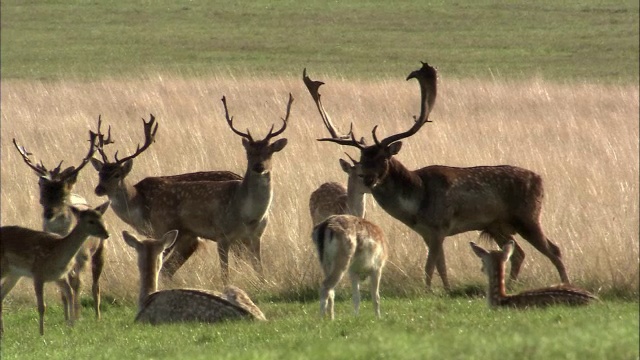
(349, 243)
(494, 264)
(180, 305)
(47, 257)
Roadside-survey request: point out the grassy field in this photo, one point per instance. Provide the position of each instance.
(557, 40)
(549, 86)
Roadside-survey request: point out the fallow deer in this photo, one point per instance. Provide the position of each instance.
(347, 243)
(57, 200)
(47, 257)
(494, 264)
(439, 201)
(180, 305)
(133, 203)
(333, 198)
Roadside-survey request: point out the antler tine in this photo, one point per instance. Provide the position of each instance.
(40, 169)
(352, 159)
(313, 87)
(150, 129)
(284, 121)
(102, 141)
(230, 121)
(427, 78)
(92, 148)
(351, 141)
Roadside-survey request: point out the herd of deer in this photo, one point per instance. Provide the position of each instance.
(173, 212)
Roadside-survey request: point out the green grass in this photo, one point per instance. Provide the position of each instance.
(417, 328)
(557, 40)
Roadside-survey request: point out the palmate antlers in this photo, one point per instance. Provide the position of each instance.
(150, 129)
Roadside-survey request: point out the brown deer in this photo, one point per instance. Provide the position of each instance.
(133, 203)
(57, 200)
(439, 201)
(494, 264)
(332, 198)
(156, 307)
(347, 243)
(47, 257)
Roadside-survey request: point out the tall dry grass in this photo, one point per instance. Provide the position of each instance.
(582, 139)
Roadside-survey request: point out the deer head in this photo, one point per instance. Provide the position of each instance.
(259, 152)
(111, 174)
(375, 159)
(56, 185)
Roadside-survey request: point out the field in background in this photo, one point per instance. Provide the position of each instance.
(582, 139)
(559, 40)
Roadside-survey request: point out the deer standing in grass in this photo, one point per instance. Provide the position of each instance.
(57, 201)
(181, 304)
(47, 257)
(333, 198)
(347, 243)
(133, 203)
(439, 201)
(494, 264)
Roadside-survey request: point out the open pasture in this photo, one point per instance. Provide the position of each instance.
(547, 86)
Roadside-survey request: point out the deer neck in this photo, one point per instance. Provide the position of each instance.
(400, 193)
(496, 293)
(128, 206)
(67, 247)
(356, 201)
(254, 195)
(148, 285)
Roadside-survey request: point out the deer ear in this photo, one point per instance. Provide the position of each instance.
(480, 252)
(169, 238)
(76, 212)
(346, 167)
(102, 208)
(394, 148)
(279, 145)
(97, 164)
(507, 250)
(131, 240)
(126, 167)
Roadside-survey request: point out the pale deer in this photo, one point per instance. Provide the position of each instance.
(175, 305)
(347, 243)
(45, 256)
(56, 198)
(493, 265)
(333, 198)
(439, 201)
(133, 203)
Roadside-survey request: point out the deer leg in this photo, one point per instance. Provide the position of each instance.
(256, 260)
(532, 232)
(376, 275)
(433, 256)
(184, 247)
(97, 264)
(441, 266)
(66, 301)
(38, 286)
(8, 284)
(67, 291)
(223, 254)
(517, 259)
(355, 292)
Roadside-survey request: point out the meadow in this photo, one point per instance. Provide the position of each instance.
(573, 121)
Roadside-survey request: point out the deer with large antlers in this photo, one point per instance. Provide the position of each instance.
(57, 201)
(133, 203)
(333, 198)
(439, 201)
(494, 264)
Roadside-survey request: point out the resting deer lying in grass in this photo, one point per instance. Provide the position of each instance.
(439, 201)
(347, 243)
(47, 257)
(494, 264)
(57, 200)
(333, 198)
(180, 305)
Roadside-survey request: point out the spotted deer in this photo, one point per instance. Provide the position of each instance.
(332, 198)
(47, 257)
(133, 203)
(439, 201)
(347, 243)
(493, 265)
(174, 305)
(57, 200)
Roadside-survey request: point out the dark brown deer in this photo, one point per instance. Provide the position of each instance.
(133, 203)
(57, 200)
(332, 198)
(439, 201)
